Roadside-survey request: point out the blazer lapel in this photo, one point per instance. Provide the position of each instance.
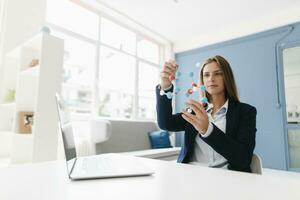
(230, 117)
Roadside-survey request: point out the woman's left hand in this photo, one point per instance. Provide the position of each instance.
(200, 119)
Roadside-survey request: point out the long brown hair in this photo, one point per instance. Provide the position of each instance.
(229, 82)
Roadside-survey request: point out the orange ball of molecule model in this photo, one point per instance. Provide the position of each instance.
(190, 91)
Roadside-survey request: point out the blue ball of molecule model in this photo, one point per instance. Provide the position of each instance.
(202, 88)
(191, 74)
(178, 73)
(169, 95)
(204, 100)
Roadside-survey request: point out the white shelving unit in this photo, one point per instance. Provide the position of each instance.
(35, 92)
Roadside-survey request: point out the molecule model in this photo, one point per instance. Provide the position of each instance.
(193, 88)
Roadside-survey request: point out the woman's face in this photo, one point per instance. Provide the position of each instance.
(213, 79)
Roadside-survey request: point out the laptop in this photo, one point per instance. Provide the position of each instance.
(97, 166)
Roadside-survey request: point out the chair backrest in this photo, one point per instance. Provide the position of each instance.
(88, 133)
(128, 135)
(256, 164)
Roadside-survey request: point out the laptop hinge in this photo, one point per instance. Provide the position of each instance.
(72, 168)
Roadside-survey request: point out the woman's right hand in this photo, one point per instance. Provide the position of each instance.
(169, 69)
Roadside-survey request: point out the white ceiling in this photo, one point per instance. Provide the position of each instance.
(194, 23)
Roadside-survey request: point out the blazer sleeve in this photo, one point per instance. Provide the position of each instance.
(238, 150)
(166, 120)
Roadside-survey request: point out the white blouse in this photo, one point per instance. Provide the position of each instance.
(205, 154)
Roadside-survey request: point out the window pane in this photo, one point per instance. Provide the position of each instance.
(73, 17)
(148, 51)
(294, 148)
(291, 63)
(148, 79)
(116, 84)
(116, 36)
(78, 78)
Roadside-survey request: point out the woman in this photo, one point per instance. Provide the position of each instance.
(222, 135)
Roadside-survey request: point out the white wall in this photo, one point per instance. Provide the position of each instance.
(2, 14)
(1, 21)
(23, 20)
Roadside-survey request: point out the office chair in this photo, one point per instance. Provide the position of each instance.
(256, 164)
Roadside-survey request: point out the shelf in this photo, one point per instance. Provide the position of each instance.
(34, 43)
(11, 104)
(35, 88)
(22, 147)
(32, 71)
(23, 134)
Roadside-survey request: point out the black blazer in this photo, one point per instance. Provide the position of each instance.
(236, 145)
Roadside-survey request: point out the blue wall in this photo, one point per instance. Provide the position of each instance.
(260, 83)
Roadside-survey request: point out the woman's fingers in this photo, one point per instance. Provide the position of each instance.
(189, 118)
(169, 70)
(196, 106)
(200, 122)
(168, 73)
(164, 75)
(171, 66)
(174, 64)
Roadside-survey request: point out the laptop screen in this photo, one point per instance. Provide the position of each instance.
(67, 132)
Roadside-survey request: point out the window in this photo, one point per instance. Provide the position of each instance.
(148, 78)
(79, 62)
(148, 51)
(116, 36)
(109, 70)
(116, 84)
(291, 63)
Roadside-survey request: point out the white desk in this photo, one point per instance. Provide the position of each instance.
(171, 181)
(170, 154)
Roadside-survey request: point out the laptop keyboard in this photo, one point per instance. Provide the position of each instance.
(99, 164)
